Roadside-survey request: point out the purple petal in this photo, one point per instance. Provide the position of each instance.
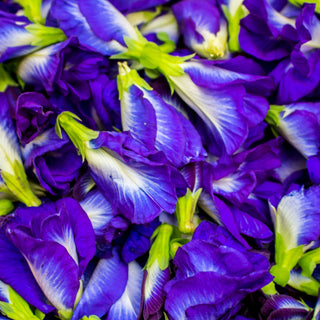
(86, 19)
(154, 294)
(15, 272)
(105, 287)
(128, 305)
(51, 265)
(225, 125)
(98, 210)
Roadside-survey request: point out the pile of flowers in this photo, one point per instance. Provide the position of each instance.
(159, 159)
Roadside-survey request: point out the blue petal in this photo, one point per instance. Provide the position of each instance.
(305, 140)
(154, 294)
(105, 287)
(220, 111)
(98, 210)
(199, 290)
(10, 150)
(40, 68)
(128, 305)
(140, 191)
(251, 226)
(15, 39)
(235, 187)
(216, 74)
(297, 214)
(71, 228)
(15, 272)
(138, 116)
(170, 137)
(52, 267)
(86, 19)
(4, 292)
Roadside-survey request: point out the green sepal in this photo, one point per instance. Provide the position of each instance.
(151, 56)
(6, 206)
(44, 36)
(17, 308)
(128, 77)
(273, 115)
(18, 184)
(65, 314)
(5, 79)
(160, 248)
(284, 257)
(186, 207)
(309, 261)
(309, 285)
(32, 10)
(175, 244)
(269, 289)
(90, 318)
(281, 275)
(299, 3)
(39, 314)
(168, 45)
(234, 25)
(77, 132)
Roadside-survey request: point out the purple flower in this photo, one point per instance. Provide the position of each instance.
(55, 162)
(266, 33)
(204, 29)
(233, 269)
(53, 244)
(33, 114)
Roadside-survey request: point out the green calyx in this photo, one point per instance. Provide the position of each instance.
(128, 77)
(5, 79)
(32, 10)
(160, 249)
(186, 207)
(18, 185)
(77, 132)
(45, 36)
(17, 308)
(6, 206)
(90, 318)
(233, 16)
(153, 57)
(273, 115)
(309, 261)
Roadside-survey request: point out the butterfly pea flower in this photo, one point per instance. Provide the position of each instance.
(302, 69)
(278, 306)
(157, 272)
(114, 288)
(142, 107)
(54, 161)
(57, 242)
(20, 37)
(266, 33)
(287, 121)
(219, 260)
(65, 67)
(33, 113)
(120, 168)
(86, 19)
(295, 217)
(204, 29)
(11, 166)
